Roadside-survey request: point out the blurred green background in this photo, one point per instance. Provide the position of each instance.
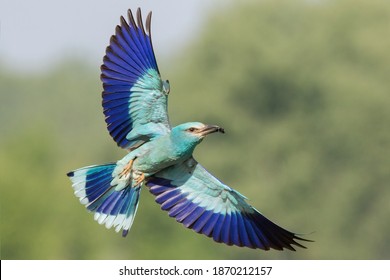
(303, 91)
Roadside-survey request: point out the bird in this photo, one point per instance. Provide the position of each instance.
(160, 157)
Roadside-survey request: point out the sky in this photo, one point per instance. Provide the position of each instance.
(35, 35)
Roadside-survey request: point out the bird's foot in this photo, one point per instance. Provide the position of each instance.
(127, 169)
(140, 179)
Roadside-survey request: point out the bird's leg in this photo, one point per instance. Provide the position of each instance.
(126, 171)
(127, 168)
(140, 179)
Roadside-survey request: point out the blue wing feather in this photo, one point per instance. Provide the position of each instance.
(235, 236)
(200, 201)
(120, 95)
(118, 128)
(116, 114)
(134, 100)
(201, 222)
(243, 233)
(172, 201)
(116, 87)
(166, 196)
(179, 207)
(217, 228)
(193, 216)
(120, 63)
(116, 107)
(114, 78)
(255, 240)
(185, 212)
(139, 35)
(129, 58)
(209, 225)
(225, 230)
(111, 65)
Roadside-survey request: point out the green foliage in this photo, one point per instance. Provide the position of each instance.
(301, 88)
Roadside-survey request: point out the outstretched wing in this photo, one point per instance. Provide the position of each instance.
(134, 96)
(201, 202)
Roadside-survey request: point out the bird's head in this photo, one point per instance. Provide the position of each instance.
(194, 131)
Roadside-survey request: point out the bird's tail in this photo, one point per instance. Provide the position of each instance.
(94, 187)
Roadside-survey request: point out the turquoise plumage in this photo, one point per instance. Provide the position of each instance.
(160, 157)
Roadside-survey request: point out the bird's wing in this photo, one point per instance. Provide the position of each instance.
(134, 96)
(201, 202)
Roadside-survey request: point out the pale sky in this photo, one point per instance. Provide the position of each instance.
(36, 34)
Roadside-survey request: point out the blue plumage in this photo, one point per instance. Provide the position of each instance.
(160, 157)
(208, 227)
(231, 221)
(93, 186)
(129, 74)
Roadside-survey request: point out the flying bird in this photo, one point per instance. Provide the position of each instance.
(160, 156)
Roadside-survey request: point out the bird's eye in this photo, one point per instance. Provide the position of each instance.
(191, 129)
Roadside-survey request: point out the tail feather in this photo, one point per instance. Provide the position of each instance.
(93, 186)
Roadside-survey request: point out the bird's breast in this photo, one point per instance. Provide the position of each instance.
(157, 159)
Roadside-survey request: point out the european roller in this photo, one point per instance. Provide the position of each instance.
(160, 156)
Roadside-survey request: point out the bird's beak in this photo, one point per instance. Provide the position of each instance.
(207, 129)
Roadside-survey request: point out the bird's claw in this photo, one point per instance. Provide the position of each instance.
(140, 179)
(127, 171)
(127, 168)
